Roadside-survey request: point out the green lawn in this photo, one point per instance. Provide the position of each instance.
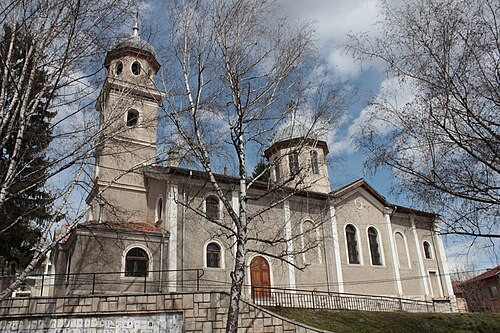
(359, 322)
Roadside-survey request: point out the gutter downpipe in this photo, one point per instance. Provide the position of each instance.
(183, 221)
(324, 254)
(162, 244)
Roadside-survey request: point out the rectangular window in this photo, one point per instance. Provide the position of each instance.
(277, 171)
(493, 291)
(293, 163)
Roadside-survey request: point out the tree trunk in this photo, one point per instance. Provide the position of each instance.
(237, 278)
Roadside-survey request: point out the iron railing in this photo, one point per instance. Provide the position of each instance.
(311, 299)
(112, 282)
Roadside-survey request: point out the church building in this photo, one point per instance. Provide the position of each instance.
(141, 234)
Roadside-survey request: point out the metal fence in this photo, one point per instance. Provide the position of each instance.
(109, 283)
(310, 299)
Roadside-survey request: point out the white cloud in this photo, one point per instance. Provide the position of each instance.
(392, 91)
(333, 21)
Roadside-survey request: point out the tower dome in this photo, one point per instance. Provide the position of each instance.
(292, 130)
(135, 45)
(134, 41)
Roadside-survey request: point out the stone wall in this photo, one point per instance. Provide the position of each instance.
(190, 312)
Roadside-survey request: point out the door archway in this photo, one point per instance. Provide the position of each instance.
(260, 278)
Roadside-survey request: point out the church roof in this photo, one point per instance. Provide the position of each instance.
(134, 42)
(362, 183)
(294, 129)
(127, 226)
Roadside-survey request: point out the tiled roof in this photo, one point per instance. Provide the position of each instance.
(130, 226)
(362, 183)
(486, 275)
(457, 287)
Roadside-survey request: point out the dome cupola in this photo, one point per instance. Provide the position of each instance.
(298, 156)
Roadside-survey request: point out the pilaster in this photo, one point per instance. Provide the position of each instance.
(397, 277)
(336, 249)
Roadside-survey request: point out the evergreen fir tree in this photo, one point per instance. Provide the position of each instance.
(259, 168)
(28, 202)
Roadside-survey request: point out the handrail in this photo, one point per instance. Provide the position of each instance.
(314, 299)
(93, 279)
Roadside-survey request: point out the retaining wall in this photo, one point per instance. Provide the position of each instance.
(176, 312)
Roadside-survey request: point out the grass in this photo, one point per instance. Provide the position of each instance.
(374, 322)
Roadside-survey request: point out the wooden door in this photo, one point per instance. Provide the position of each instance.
(260, 278)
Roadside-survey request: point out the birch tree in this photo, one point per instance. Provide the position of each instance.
(239, 72)
(442, 144)
(64, 39)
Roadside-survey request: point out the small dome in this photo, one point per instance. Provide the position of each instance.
(134, 42)
(292, 130)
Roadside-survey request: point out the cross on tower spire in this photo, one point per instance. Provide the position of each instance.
(136, 25)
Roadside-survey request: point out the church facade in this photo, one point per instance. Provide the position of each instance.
(148, 229)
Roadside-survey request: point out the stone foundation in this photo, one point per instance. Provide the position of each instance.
(177, 312)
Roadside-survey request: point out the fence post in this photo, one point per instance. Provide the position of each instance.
(41, 288)
(401, 304)
(93, 283)
(313, 303)
(197, 280)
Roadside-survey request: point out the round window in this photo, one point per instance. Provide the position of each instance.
(118, 68)
(136, 68)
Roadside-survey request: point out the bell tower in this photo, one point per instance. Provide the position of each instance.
(127, 106)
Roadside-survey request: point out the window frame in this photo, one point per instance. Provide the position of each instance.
(159, 212)
(493, 294)
(357, 245)
(277, 171)
(132, 67)
(317, 235)
(314, 162)
(124, 261)
(205, 207)
(405, 241)
(378, 241)
(221, 254)
(293, 163)
(138, 118)
(118, 68)
(430, 257)
(135, 272)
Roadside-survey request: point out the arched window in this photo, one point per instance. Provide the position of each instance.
(352, 244)
(314, 162)
(401, 250)
(118, 68)
(311, 242)
(212, 207)
(427, 250)
(374, 246)
(136, 262)
(159, 209)
(132, 117)
(293, 163)
(213, 255)
(136, 68)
